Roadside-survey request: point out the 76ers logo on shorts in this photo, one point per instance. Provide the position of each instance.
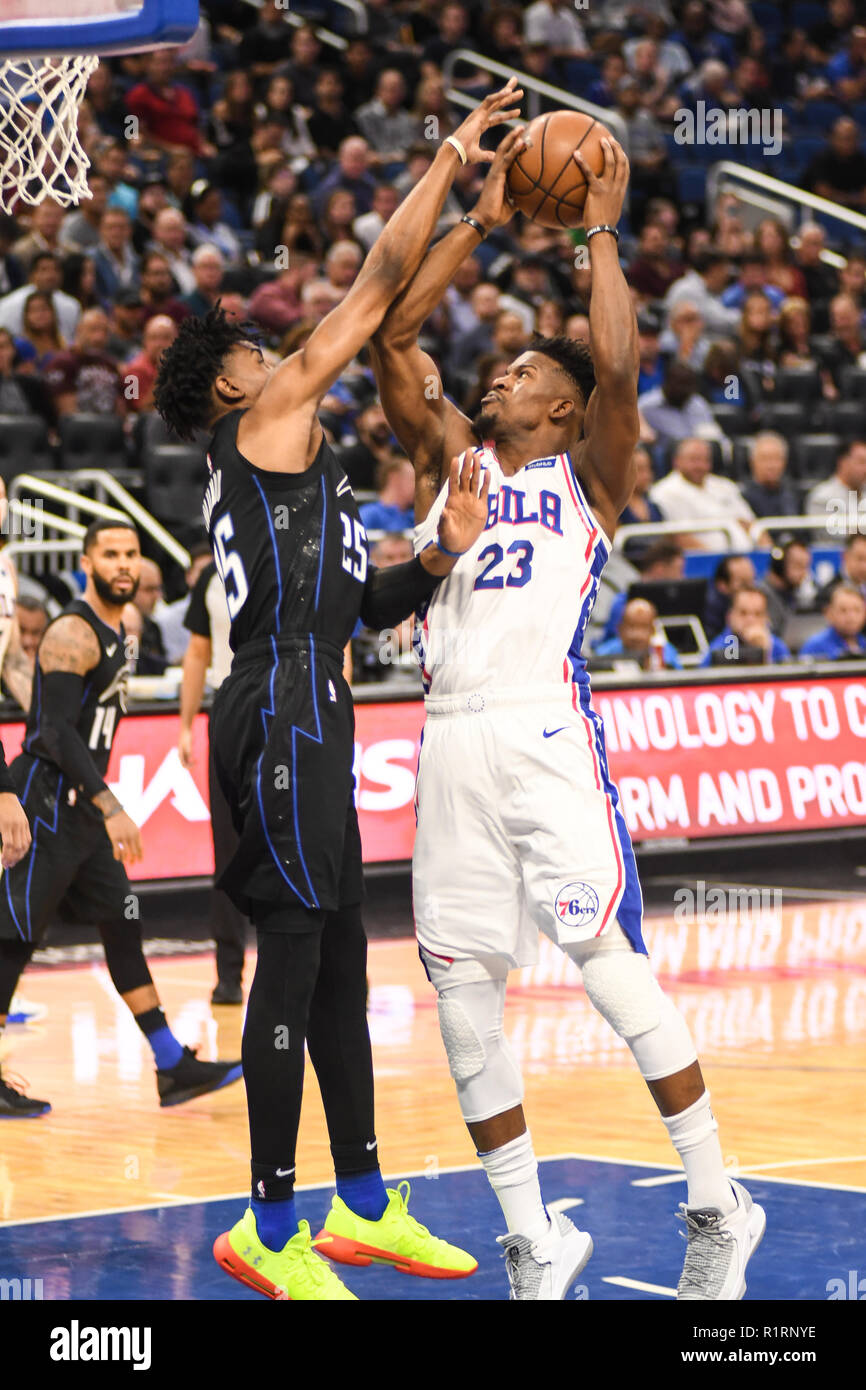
(576, 904)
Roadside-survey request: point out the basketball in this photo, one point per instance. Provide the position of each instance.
(544, 181)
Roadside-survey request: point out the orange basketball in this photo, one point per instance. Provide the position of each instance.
(544, 181)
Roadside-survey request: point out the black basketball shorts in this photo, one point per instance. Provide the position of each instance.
(69, 871)
(282, 733)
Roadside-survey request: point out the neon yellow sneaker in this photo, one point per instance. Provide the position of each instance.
(395, 1239)
(294, 1273)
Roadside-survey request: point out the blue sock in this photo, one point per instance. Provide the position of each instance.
(363, 1193)
(167, 1051)
(276, 1222)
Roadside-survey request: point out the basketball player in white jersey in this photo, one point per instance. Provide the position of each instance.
(519, 826)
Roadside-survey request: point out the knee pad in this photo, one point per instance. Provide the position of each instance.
(479, 1056)
(621, 986)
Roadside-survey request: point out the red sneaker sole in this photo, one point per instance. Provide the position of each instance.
(345, 1251)
(229, 1260)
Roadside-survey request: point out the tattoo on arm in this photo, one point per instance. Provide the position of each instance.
(70, 644)
(107, 803)
(17, 671)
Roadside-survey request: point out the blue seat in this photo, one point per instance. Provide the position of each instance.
(692, 183)
(806, 14)
(822, 114)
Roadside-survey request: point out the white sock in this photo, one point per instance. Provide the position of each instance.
(513, 1174)
(694, 1135)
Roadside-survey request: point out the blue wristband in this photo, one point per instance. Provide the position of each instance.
(452, 554)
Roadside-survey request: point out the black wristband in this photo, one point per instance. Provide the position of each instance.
(602, 227)
(475, 225)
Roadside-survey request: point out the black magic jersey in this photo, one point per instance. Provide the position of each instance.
(104, 697)
(290, 547)
(292, 554)
(293, 557)
(70, 870)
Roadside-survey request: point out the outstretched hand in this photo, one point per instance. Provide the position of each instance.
(494, 207)
(493, 110)
(465, 512)
(606, 191)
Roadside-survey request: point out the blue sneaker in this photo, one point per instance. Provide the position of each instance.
(191, 1078)
(23, 1010)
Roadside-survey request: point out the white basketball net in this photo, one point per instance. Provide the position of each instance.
(40, 153)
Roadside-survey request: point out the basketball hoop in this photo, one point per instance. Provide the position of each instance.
(40, 153)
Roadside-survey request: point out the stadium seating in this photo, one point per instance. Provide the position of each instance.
(92, 441)
(24, 445)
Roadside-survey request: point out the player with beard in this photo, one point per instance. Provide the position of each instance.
(82, 837)
(519, 825)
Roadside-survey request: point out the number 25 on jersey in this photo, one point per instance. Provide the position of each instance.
(230, 566)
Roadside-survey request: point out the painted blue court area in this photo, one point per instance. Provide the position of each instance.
(814, 1234)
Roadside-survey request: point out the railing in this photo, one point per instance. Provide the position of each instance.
(792, 523)
(765, 192)
(732, 529)
(612, 119)
(128, 509)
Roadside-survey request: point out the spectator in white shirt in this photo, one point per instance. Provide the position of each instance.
(368, 225)
(554, 23)
(841, 496)
(703, 287)
(692, 492)
(45, 277)
(169, 239)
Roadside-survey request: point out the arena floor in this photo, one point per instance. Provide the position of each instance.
(109, 1197)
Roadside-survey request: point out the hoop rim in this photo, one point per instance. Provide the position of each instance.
(158, 24)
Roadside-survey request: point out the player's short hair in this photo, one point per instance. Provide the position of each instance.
(105, 523)
(572, 356)
(190, 366)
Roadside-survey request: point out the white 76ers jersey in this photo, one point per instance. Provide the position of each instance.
(514, 610)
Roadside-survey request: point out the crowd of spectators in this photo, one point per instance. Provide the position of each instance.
(257, 165)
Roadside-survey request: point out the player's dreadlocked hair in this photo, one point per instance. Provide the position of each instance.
(572, 355)
(189, 368)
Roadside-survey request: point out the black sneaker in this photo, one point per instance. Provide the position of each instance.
(190, 1078)
(227, 992)
(14, 1105)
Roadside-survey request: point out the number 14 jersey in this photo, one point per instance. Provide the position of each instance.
(514, 610)
(290, 547)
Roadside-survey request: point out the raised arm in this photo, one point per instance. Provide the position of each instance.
(611, 424)
(430, 428)
(299, 383)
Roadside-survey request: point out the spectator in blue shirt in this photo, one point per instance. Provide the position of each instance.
(846, 71)
(747, 640)
(842, 637)
(393, 508)
(634, 639)
(752, 277)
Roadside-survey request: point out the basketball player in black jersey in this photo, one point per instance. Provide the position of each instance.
(291, 549)
(82, 837)
(14, 825)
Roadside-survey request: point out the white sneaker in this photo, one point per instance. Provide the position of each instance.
(544, 1270)
(719, 1248)
(23, 1010)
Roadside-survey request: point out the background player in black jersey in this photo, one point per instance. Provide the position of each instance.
(291, 549)
(14, 825)
(82, 837)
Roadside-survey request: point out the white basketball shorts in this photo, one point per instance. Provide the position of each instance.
(519, 829)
